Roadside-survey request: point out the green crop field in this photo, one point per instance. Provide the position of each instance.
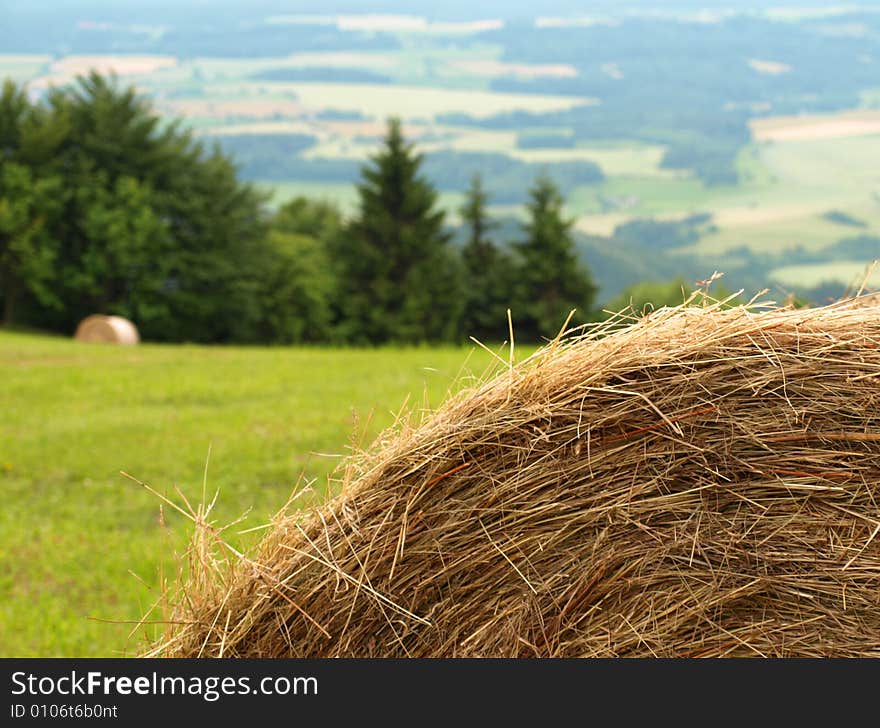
(851, 273)
(786, 189)
(80, 543)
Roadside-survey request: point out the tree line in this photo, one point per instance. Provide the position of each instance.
(106, 207)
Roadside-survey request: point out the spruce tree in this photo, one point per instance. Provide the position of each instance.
(552, 282)
(398, 279)
(488, 270)
(479, 251)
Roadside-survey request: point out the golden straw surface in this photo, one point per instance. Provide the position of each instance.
(701, 482)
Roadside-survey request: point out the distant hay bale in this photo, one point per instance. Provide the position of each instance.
(702, 482)
(107, 330)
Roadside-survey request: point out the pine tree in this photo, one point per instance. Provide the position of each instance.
(552, 282)
(398, 279)
(488, 270)
(479, 251)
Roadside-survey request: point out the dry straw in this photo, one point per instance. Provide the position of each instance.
(702, 482)
(100, 329)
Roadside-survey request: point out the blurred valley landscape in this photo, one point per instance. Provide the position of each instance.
(743, 139)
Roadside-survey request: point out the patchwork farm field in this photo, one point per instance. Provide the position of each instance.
(383, 100)
(796, 169)
(787, 189)
(790, 186)
(81, 544)
(782, 202)
(806, 181)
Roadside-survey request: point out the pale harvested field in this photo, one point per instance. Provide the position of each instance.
(746, 216)
(412, 24)
(810, 229)
(120, 65)
(336, 147)
(493, 69)
(771, 68)
(817, 126)
(797, 12)
(378, 128)
(14, 59)
(870, 98)
(21, 67)
(245, 108)
(245, 66)
(465, 27)
(576, 22)
(334, 136)
(604, 223)
(411, 102)
(376, 61)
(789, 186)
(266, 127)
(631, 160)
(387, 23)
(65, 70)
(337, 141)
(850, 273)
(612, 70)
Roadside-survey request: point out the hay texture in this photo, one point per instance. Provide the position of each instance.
(702, 482)
(100, 329)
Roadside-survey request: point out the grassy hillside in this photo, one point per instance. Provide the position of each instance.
(74, 532)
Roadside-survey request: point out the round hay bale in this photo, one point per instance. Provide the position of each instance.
(107, 330)
(703, 482)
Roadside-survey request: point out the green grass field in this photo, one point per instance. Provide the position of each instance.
(73, 531)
